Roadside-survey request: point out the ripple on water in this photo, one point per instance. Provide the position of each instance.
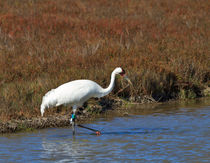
(177, 134)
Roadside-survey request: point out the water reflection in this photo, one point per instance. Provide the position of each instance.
(62, 150)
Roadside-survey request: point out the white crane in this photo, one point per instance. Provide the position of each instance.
(76, 92)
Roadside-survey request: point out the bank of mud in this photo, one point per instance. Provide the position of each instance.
(89, 112)
(93, 109)
(108, 107)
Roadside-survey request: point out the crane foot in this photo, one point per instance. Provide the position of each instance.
(98, 133)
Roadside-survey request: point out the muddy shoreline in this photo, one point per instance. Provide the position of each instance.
(108, 107)
(91, 111)
(85, 114)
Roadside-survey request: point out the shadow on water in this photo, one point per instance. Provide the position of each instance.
(132, 131)
(119, 133)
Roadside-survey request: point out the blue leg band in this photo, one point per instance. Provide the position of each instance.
(73, 116)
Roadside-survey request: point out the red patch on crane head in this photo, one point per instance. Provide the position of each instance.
(123, 72)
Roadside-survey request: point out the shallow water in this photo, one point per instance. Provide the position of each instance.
(172, 132)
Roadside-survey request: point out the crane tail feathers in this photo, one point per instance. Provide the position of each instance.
(48, 100)
(42, 110)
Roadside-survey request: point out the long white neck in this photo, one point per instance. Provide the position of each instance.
(107, 90)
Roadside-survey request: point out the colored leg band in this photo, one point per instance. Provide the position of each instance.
(73, 116)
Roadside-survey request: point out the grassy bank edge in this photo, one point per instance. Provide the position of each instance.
(94, 109)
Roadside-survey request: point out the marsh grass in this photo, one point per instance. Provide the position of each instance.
(163, 45)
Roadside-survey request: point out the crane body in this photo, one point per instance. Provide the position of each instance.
(75, 89)
(75, 93)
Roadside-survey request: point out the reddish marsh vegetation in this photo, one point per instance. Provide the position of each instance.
(162, 44)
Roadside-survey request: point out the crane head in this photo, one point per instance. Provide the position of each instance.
(122, 73)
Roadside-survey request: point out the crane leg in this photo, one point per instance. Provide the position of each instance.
(73, 119)
(73, 128)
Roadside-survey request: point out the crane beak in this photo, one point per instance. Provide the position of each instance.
(126, 78)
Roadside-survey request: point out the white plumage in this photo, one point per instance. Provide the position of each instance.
(76, 92)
